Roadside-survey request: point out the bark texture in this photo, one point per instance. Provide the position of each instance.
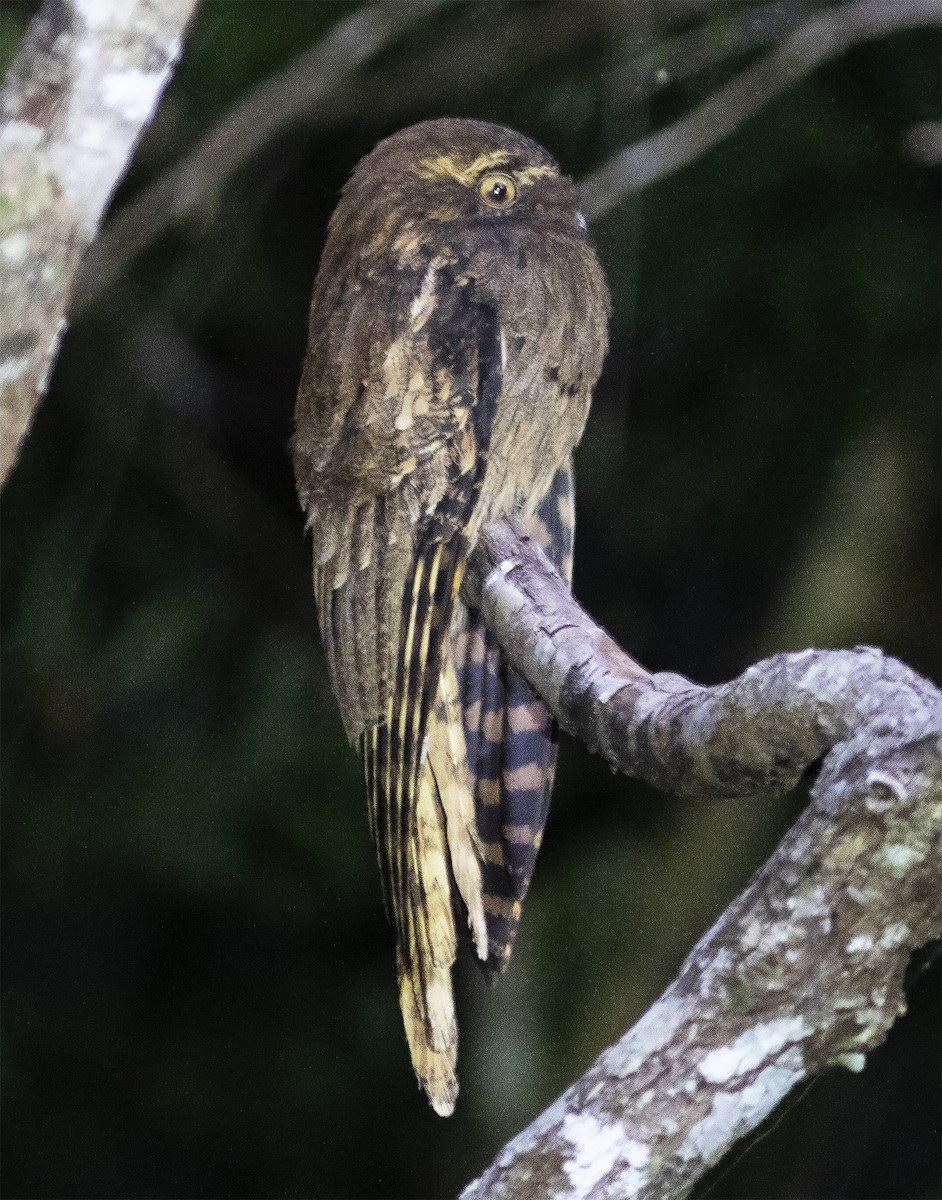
(805, 968)
(82, 89)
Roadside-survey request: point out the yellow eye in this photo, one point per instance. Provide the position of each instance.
(498, 189)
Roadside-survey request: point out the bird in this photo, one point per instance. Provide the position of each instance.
(458, 325)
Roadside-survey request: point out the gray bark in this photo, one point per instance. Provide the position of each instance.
(83, 87)
(805, 968)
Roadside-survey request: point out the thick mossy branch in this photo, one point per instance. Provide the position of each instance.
(805, 968)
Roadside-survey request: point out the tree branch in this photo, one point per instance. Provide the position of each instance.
(804, 969)
(823, 37)
(81, 90)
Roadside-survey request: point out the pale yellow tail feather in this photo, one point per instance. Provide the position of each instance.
(425, 991)
(448, 760)
(435, 1069)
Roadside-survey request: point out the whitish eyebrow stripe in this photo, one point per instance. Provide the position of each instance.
(467, 173)
(528, 174)
(452, 167)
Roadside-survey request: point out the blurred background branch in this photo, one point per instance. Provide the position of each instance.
(820, 38)
(924, 143)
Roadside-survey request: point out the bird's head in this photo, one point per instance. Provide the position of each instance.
(443, 180)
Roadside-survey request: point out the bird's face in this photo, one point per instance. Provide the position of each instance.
(445, 181)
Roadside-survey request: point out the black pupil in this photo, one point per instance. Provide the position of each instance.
(499, 191)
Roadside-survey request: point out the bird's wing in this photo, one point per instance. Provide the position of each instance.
(395, 412)
(511, 742)
(393, 509)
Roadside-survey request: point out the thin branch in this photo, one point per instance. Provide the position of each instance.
(804, 969)
(823, 37)
(84, 85)
(273, 106)
(672, 60)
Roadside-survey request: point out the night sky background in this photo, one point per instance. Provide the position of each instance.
(198, 981)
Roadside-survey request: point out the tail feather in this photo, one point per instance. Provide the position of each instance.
(448, 763)
(425, 957)
(408, 821)
(511, 742)
(459, 776)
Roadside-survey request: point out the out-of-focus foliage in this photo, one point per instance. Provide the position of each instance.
(198, 981)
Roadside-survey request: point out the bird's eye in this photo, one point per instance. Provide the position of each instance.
(498, 190)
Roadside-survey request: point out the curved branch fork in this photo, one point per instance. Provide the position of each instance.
(805, 968)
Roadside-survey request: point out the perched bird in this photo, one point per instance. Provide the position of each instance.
(457, 328)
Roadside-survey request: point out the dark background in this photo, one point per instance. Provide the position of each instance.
(198, 981)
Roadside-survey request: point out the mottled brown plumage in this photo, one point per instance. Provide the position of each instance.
(458, 326)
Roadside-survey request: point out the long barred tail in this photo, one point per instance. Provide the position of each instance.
(511, 743)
